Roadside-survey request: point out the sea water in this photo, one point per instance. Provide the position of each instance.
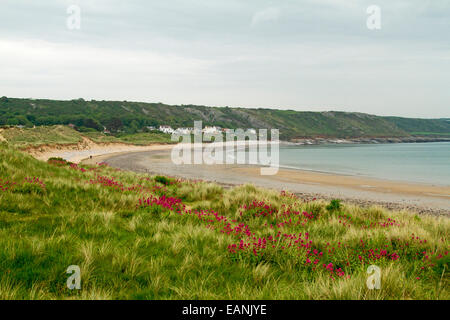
(412, 162)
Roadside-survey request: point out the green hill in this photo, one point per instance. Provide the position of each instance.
(422, 126)
(132, 117)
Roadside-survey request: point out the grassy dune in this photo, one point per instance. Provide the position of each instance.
(141, 138)
(62, 135)
(142, 237)
(28, 137)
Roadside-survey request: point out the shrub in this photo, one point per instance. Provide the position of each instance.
(163, 180)
(334, 206)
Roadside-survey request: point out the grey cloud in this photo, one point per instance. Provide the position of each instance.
(309, 54)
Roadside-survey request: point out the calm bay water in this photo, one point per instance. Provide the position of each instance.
(413, 162)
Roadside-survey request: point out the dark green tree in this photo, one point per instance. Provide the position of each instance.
(114, 124)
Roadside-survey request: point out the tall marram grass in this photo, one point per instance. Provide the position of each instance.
(137, 237)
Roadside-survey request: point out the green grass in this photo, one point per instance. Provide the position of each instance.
(126, 251)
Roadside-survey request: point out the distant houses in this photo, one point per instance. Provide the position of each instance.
(212, 130)
(189, 130)
(166, 129)
(185, 130)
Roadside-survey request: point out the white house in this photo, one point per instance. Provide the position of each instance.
(185, 130)
(166, 129)
(213, 129)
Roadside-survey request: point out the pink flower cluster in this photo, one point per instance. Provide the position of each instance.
(58, 163)
(170, 203)
(6, 185)
(258, 208)
(334, 271)
(159, 190)
(383, 224)
(9, 185)
(346, 221)
(266, 210)
(76, 167)
(107, 182)
(287, 194)
(35, 181)
(377, 254)
(111, 182)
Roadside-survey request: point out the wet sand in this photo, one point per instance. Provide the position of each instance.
(420, 198)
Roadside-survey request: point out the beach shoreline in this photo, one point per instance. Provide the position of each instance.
(397, 195)
(155, 159)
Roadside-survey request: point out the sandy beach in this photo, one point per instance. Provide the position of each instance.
(421, 198)
(87, 148)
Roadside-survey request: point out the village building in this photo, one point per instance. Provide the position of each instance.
(185, 130)
(166, 129)
(212, 129)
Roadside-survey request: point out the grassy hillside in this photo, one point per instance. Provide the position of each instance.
(142, 237)
(130, 117)
(422, 126)
(59, 134)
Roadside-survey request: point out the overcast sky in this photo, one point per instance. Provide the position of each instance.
(287, 54)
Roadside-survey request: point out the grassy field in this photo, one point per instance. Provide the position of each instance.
(141, 237)
(61, 135)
